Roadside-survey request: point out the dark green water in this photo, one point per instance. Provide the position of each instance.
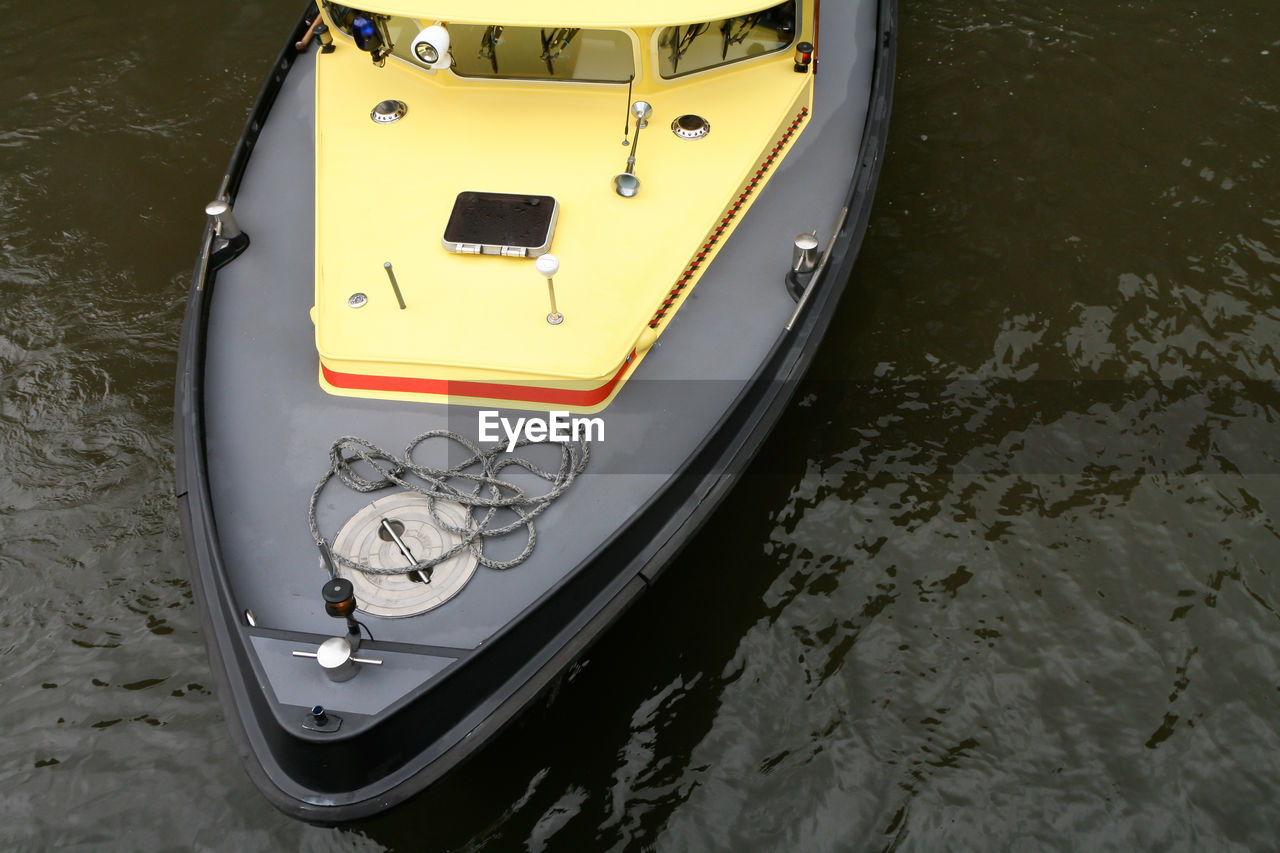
(1007, 579)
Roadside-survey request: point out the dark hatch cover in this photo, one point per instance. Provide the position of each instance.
(499, 220)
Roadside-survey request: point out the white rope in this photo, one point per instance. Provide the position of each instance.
(474, 483)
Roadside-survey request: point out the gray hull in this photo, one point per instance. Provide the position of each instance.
(254, 431)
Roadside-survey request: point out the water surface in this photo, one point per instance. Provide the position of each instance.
(1004, 578)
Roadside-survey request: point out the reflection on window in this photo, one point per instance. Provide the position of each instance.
(341, 16)
(402, 32)
(379, 43)
(526, 53)
(697, 47)
(541, 53)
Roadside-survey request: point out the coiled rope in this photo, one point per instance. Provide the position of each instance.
(474, 483)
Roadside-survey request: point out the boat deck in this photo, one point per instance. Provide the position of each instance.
(269, 424)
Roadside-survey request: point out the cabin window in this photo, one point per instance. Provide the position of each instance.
(402, 32)
(520, 53)
(542, 53)
(696, 47)
(341, 16)
(397, 31)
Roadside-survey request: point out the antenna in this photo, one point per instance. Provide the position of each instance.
(626, 128)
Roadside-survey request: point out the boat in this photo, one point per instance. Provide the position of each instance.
(494, 304)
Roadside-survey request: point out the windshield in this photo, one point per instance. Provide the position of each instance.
(505, 52)
(542, 53)
(697, 47)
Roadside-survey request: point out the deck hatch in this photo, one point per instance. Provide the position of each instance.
(420, 525)
(484, 223)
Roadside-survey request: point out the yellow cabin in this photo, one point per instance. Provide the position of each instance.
(454, 150)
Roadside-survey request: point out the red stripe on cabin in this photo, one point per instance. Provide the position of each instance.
(581, 398)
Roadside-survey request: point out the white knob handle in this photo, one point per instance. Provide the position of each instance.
(547, 264)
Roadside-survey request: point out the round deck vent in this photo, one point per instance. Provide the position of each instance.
(365, 539)
(690, 126)
(389, 111)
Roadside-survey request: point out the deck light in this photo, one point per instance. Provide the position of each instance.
(804, 55)
(326, 38)
(340, 603)
(431, 47)
(365, 32)
(339, 598)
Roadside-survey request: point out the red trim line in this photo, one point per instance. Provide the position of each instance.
(580, 398)
(724, 223)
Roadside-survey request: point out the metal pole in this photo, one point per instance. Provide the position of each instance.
(394, 285)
